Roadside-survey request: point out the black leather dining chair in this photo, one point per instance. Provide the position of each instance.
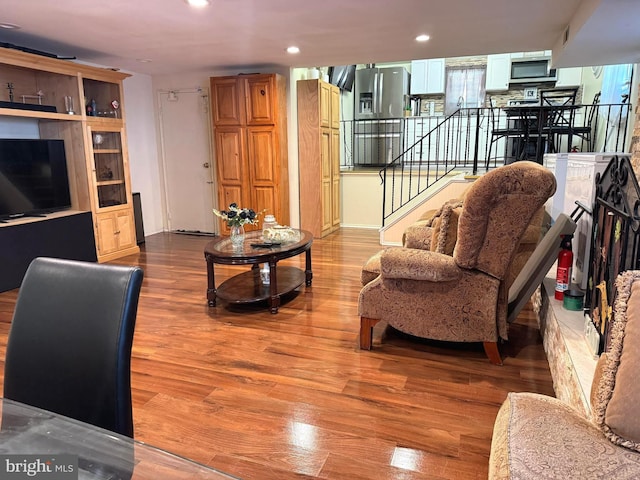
(69, 346)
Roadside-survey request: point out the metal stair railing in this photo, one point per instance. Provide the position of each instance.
(450, 144)
(461, 141)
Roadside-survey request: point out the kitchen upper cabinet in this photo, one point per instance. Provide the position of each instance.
(428, 76)
(569, 77)
(498, 72)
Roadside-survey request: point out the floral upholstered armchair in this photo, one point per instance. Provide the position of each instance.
(460, 297)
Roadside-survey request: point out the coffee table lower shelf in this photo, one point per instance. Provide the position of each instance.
(247, 287)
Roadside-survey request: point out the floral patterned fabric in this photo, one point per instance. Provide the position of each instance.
(413, 264)
(421, 295)
(617, 395)
(538, 438)
(455, 311)
(437, 232)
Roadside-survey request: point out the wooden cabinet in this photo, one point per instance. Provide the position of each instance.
(95, 144)
(250, 136)
(115, 232)
(428, 76)
(110, 190)
(68, 234)
(498, 72)
(319, 156)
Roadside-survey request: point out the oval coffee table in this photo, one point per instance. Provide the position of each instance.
(247, 287)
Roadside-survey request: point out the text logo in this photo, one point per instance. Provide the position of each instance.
(49, 467)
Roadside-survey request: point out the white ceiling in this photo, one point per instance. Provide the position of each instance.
(251, 35)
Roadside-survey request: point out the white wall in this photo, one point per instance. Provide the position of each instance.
(361, 199)
(590, 85)
(143, 154)
(201, 79)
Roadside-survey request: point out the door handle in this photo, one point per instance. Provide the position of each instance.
(205, 165)
(375, 93)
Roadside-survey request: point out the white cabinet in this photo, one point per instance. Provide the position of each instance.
(498, 72)
(569, 77)
(427, 76)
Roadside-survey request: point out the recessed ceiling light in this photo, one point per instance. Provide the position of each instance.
(422, 38)
(293, 49)
(9, 26)
(198, 3)
(143, 60)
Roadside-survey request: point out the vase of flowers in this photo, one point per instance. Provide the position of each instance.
(237, 235)
(236, 219)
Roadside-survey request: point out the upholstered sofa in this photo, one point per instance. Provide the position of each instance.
(539, 437)
(458, 296)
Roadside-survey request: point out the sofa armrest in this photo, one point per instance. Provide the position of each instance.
(416, 264)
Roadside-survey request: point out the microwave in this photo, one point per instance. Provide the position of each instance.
(532, 70)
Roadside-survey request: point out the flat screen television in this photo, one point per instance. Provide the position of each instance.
(342, 76)
(33, 177)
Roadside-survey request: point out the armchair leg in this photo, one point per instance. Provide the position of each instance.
(491, 349)
(366, 332)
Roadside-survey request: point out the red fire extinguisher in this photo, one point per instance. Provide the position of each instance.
(565, 262)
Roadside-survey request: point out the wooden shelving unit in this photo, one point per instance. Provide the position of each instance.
(99, 178)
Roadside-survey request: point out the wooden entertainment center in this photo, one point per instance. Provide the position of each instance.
(89, 117)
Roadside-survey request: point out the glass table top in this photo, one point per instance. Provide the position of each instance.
(29, 435)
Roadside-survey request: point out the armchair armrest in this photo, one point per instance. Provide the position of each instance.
(418, 235)
(415, 264)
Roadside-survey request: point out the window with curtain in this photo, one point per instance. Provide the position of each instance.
(465, 89)
(616, 82)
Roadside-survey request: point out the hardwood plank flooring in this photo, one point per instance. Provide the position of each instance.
(291, 396)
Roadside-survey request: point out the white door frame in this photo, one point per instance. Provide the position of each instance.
(205, 98)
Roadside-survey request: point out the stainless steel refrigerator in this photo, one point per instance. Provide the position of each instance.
(381, 96)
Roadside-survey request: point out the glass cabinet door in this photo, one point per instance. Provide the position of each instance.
(108, 158)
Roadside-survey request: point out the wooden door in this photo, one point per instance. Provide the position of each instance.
(106, 227)
(263, 170)
(125, 232)
(335, 179)
(231, 169)
(335, 107)
(226, 107)
(260, 98)
(325, 159)
(115, 231)
(325, 104)
(190, 195)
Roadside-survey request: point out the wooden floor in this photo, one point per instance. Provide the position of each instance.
(290, 396)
